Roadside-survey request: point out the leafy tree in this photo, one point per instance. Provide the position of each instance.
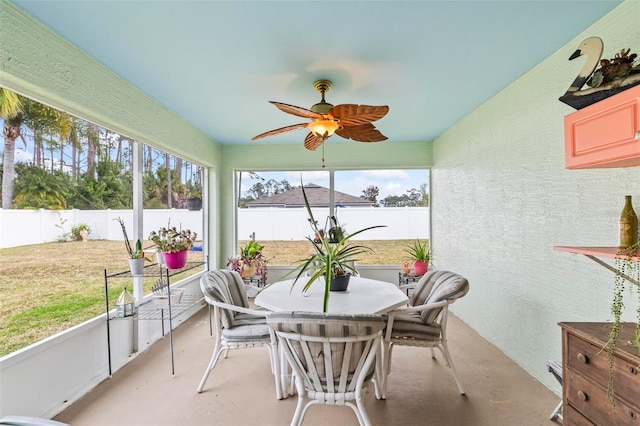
(156, 188)
(371, 193)
(269, 188)
(36, 188)
(395, 200)
(412, 198)
(109, 186)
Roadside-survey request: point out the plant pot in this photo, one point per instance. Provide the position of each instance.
(136, 266)
(175, 260)
(421, 267)
(340, 283)
(194, 204)
(248, 270)
(159, 258)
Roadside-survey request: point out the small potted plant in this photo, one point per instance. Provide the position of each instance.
(80, 232)
(194, 198)
(420, 254)
(250, 262)
(174, 245)
(136, 255)
(336, 231)
(333, 262)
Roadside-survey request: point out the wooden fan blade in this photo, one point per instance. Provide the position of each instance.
(312, 142)
(281, 130)
(296, 110)
(355, 115)
(363, 133)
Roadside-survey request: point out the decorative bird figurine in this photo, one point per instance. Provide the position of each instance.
(614, 75)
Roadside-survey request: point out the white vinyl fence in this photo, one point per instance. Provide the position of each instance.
(272, 223)
(26, 227)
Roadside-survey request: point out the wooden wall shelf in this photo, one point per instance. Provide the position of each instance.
(594, 253)
(605, 134)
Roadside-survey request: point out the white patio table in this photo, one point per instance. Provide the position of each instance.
(364, 296)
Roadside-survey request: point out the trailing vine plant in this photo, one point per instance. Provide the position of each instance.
(626, 268)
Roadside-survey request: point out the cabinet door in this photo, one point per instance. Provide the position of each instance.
(605, 134)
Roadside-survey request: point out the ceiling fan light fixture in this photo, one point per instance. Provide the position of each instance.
(323, 128)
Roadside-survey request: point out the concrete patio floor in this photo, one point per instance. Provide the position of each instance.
(240, 390)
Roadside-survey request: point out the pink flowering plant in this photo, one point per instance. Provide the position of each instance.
(250, 255)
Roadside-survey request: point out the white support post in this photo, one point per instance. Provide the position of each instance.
(138, 282)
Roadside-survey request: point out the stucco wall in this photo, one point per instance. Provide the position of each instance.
(502, 198)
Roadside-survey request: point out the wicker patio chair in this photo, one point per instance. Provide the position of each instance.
(423, 323)
(236, 325)
(333, 357)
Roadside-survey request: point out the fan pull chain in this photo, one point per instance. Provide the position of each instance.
(323, 155)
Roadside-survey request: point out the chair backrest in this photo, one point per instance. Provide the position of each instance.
(436, 286)
(330, 350)
(226, 286)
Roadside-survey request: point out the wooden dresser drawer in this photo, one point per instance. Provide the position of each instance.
(591, 400)
(592, 362)
(571, 417)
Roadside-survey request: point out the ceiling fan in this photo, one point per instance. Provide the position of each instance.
(349, 121)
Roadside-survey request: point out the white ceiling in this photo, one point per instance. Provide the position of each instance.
(218, 63)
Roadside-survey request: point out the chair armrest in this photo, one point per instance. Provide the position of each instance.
(235, 308)
(406, 309)
(416, 308)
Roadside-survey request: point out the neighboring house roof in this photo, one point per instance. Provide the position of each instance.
(317, 195)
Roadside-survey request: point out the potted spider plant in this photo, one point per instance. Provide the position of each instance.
(330, 261)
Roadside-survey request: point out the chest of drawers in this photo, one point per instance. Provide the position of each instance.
(585, 374)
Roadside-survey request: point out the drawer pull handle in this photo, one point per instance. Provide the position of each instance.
(633, 370)
(583, 358)
(582, 395)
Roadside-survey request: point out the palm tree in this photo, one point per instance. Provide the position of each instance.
(17, 111)
(10, 111)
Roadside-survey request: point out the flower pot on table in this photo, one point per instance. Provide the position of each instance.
(340, 282)
(421, 267)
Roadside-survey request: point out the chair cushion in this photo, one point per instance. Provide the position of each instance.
(214, 285)
(411, 326)
(436, 286)
(236, 288)
(243, 319)
(249, 331)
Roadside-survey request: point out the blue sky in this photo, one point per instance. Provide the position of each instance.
(353, 182)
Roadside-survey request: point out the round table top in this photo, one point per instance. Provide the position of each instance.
(364, 296)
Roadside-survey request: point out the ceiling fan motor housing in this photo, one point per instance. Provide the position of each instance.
(322, 107)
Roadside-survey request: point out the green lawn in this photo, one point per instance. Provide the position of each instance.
(47, 288)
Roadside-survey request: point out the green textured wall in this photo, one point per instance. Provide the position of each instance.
(502, 198)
